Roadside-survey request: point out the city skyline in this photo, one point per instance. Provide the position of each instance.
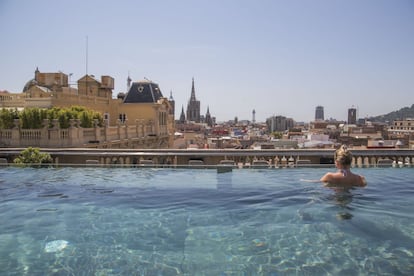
(274, 57)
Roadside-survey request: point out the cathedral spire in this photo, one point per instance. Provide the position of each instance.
(193, 107)
(208, 120)
(193, 97)
(182, 116)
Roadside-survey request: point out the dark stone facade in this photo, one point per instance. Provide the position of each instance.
(193, 107)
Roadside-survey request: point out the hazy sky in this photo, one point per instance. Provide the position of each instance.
(277, 57)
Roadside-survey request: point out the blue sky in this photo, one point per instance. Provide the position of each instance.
(277, 57)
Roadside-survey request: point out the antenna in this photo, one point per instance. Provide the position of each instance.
(86, 77)
(86, 55)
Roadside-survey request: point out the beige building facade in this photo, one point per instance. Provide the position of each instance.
(402, 126)
(143, 106)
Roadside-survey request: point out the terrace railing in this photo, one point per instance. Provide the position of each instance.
(75, 136)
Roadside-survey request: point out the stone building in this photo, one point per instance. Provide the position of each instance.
(143, 106)
(402, 130)
(402, 126)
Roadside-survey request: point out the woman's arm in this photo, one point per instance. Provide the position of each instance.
(326, 178)
(363, 181)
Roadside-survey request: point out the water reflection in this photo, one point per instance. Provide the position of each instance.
(342, 197)
(224, 181)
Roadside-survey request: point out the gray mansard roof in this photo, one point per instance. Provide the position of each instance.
(143, 92)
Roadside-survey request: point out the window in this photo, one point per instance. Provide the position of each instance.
(122, 117)
(106, 118)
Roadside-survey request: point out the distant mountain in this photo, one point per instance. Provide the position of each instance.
(402, 114)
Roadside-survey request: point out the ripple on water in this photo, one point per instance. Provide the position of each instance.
(181, 222)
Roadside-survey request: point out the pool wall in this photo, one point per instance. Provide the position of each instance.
(208, 157)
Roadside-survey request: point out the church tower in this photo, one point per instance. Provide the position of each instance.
(193, 107)
(209, 120)
(172, 102)
(182, 116)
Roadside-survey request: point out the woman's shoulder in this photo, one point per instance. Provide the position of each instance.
(327, 177)
(338, 179)
(362, 182)
(331, 177)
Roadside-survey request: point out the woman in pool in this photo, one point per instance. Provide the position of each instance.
(344, 176)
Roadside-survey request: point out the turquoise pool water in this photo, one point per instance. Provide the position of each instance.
(113, 221)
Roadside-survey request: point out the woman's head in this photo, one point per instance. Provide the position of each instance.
(343, 156)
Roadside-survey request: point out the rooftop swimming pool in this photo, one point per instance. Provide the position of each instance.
(129, 221)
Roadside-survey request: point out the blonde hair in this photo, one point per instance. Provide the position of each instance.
(343, 156)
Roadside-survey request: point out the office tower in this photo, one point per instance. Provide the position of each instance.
(352, 116)
(319, 116)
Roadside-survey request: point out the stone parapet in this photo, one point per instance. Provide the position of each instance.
(140, 135)
(211, 158)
